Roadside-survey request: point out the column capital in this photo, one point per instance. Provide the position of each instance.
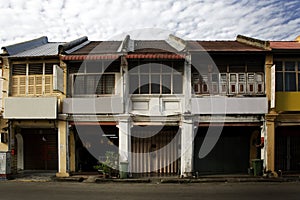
(271, 117)
(188, 58)
(269, 65)
(187, 118)
(124, 118)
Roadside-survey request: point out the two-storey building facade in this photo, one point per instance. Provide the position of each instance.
(165, 107)
(283, 152)
(160, 102)
(32, 83)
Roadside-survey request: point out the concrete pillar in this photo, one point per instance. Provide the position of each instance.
(125, 139)
(5, 129)
(187, 86)
(4, 65)
(62, 149)
(268, 65)
(72, 151)
(270, 145)
(20, 152)
(263, 149)
(187, 146)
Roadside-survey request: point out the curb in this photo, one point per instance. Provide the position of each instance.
(101, 180)
(158, 180)
(68, 179)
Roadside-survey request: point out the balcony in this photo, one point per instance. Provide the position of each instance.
(95, 105)
(229, 105)
(30, 108)
(156, 105)
(287, 101)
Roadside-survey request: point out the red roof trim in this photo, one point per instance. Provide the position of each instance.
(155, 56)
(91, 57)
(285, 45)
(130, 56)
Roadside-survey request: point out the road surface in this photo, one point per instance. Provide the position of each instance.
(11, 190)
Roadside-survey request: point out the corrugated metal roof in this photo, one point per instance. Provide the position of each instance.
(161, 46)
(220, 46)
(98, 47)
(109, 47)
(157, 46)
(24, 46)
(49, 49)
(77, 47)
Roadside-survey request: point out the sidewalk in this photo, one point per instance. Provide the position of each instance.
(50, 177)
(201, 179)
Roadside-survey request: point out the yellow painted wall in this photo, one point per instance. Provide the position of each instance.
(4, 122)
(287, 101)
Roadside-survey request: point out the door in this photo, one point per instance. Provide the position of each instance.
(287, 148)
(230, 154)
(40, 149)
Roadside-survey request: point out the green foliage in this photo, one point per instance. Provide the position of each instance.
(110, 164)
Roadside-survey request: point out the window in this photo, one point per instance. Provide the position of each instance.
(287, 75)
(32, 79)
(237, 81)
(156, 78)
(93, 77)
(88, 84)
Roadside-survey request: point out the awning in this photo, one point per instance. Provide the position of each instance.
(155, 56)
(91, 57)
(129, 56)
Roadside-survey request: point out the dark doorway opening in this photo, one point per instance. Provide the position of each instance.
(230, 154)
(40, 149)
(91, 143)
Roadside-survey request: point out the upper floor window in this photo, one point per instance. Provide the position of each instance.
(287, 75)
(32, 79)
(93, 77)
(89, 84)
(228, 80)
(156, 78)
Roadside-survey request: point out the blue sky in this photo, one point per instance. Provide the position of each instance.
(65, 20)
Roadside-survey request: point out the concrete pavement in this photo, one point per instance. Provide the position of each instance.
(50, 177)
(14, 190)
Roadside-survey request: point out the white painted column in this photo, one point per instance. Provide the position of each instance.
(263, 149)
(125, 139)
(187, 86)
(187, 146)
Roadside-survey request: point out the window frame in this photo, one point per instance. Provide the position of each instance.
(73, 76)
(31, 78)
(284, 72)
(144, 70)
(232, 80)
(92, 68)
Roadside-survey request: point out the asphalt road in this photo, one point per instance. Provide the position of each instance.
(10, 190)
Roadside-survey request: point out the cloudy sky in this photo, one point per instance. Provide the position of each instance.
(65, 20)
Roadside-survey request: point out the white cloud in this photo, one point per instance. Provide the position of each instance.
(103, 19)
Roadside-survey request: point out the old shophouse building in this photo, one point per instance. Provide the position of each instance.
(31, 104)
(164, 106)
(283, 66)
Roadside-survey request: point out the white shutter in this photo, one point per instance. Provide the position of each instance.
(242, 83)
(273, 84)
(233, 79)
(58, 79)
(223, 83)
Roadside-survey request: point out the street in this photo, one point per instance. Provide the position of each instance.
(11, 190)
